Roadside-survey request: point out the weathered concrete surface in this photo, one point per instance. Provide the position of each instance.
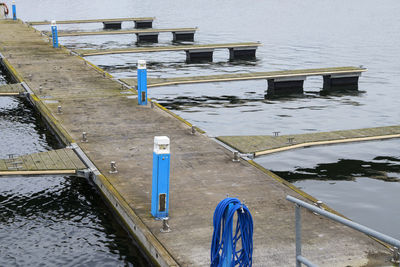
(266, 144)
(202, 171)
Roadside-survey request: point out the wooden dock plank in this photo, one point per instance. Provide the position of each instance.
(59, 164)
(29, 163)
(38, 161)
(66, 160)
(11, 89)
(3, 166)
(113, 32)
(46, 22)
(53, 161)
(48, 161)
(261, 145)
(38, 172)
(94, 52)
(75, 159)
(155, 82)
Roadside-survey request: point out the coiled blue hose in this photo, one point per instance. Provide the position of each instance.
(226, 238)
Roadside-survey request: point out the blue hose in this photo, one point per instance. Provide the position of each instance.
(226, 238)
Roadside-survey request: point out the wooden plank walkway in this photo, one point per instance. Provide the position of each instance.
(11, 89)
(267, 144)
(47, 22)
(202, 171)
(113, 32)
(95, 52)
(60, 161)
(156, 82)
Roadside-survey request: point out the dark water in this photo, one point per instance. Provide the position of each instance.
(295, 35)
(360, 180)
(60, 221)
(53, 220)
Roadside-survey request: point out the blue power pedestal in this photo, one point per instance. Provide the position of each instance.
(160, 183)
(142, 82)
(54, 33)
(14, 10)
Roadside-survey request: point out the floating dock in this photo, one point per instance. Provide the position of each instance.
(267, 144)
(11, 89)
(273, 77)
(148, 35)
(193, 52)
(202, 171)
(60, 161)
(146, 22)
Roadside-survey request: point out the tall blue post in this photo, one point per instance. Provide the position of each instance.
(160, 182)
(14, 10)
(54, 33)
(142, 82)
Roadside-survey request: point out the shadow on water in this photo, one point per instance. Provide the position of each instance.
(231, 101)
(381, 168)
(178, 65)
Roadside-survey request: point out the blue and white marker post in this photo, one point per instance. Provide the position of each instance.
(14, 10)
(54, 33)
(142, 82)
(160, 182)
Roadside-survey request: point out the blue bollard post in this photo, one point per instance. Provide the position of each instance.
(14, 10)
(160, 182)
(54, 33)
(142, 82)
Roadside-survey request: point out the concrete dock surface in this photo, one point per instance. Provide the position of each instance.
(202, 171)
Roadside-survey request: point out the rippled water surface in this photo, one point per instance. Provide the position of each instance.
(358, 180)
(60, 221)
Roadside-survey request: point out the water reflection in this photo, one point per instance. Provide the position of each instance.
(359, 180)
(382, 168)
(60, 221)
(22, 129)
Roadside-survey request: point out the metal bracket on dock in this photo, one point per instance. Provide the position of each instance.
(84, 173)
(124, 84)
(27, 89)
(245, 156)
(79, 152)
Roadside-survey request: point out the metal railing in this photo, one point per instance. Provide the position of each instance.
(361, 228)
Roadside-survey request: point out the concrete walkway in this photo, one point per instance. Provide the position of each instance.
(202, 171)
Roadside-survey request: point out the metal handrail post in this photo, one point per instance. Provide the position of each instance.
(361, 228)
(298, 234)
(305, 261)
